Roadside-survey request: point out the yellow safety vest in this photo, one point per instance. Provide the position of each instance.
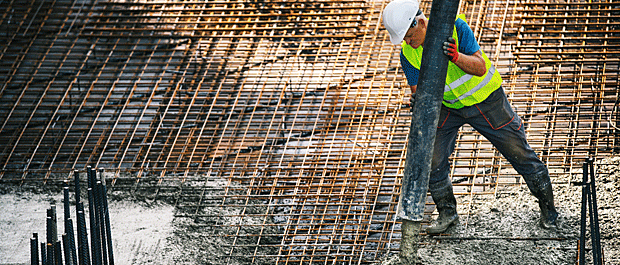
(462, 89)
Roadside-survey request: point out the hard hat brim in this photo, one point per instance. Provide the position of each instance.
(397, 18)
(397, 39)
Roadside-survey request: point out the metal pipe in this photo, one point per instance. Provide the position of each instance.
(429, 95)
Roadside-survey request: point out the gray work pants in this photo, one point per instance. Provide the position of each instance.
(495, 119)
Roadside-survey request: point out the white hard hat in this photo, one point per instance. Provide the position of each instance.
(397, 18)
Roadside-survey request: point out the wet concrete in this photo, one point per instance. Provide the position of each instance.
(140, 230)
(504, 229)
(501, 229)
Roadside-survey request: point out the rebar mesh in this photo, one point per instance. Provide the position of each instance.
(283, 123)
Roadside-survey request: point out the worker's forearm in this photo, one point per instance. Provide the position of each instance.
(472, 64)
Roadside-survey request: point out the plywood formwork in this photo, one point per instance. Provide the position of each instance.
(291, 115)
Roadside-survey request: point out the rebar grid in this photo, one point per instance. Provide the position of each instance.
(283, 123)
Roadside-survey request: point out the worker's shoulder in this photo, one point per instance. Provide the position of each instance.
(460, 23)
(467, 42)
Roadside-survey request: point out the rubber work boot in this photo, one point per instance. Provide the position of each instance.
(446, 206)
(409, 242)
(540, 186)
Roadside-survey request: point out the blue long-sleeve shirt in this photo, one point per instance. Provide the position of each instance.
(467, 45)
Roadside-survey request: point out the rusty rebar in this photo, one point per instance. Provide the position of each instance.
(298, 107)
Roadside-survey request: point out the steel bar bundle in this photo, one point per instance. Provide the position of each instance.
(588, 203)
(53, 251)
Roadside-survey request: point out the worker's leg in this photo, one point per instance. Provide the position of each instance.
(440, 184)
(504, 129)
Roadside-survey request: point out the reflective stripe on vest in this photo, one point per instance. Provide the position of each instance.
(487, 78)
(461, 89)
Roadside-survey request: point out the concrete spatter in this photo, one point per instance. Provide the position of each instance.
(514, 213)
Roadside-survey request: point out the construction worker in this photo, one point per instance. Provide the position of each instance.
(472, 95)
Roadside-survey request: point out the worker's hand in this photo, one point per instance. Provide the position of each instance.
(450, 50)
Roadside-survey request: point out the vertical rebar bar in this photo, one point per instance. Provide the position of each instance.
(584, 204)
(71, 236)
(57, 253)
(106, 231)
(596, 238)
(43, 253)
(106, 216)
(76, 181)
(100, 222)
(66, 249)
(52, 229)
(591, 215)
(51, 254)
(67, 212)
(94, 229)
(82, 235)
(50, 238)
(95, 239)
(34, 251)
